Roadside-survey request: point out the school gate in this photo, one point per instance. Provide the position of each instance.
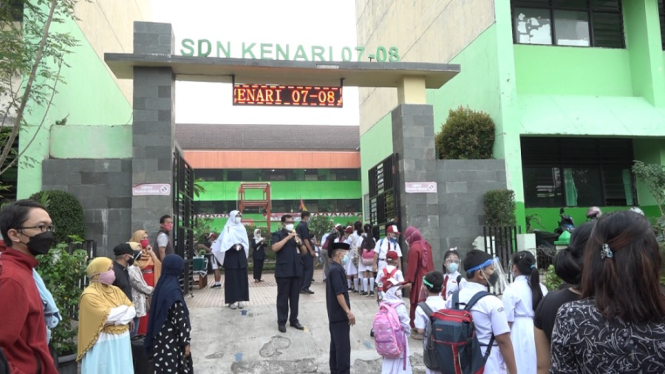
(157, 181)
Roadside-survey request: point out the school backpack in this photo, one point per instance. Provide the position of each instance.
(451, 342)
(389, 339)
(368, 257)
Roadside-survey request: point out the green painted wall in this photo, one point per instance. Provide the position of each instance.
(572, 71)
(74, 141)
(289, 190)
(375, 145)
(90, 97)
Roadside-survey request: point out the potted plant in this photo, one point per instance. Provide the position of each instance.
(63, 273)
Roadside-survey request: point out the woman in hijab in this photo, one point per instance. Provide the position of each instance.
(259, 255)
(419, 262)
(169, 329)
(104, 316)
(231, 250)
(149, 265)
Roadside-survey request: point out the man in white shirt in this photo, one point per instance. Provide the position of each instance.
(389, 243)
(488, 313)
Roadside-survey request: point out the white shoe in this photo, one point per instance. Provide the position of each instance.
(240, 305)
(233, 306)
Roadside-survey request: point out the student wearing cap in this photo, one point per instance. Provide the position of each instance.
(340, 317)
(124, 257)
(140, 292)
(385, 245)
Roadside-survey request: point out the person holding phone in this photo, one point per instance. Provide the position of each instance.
(150, 266)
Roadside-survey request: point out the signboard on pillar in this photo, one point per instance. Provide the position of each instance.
(152, 189)
(420, 187)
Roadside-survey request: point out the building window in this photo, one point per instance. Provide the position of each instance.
(577, 172)
(580, 23)
(209, 175)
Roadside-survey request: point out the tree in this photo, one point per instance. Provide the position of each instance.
(320, 224)
(32, 56)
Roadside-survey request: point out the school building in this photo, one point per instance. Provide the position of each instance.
(316, 166)
(576, 90)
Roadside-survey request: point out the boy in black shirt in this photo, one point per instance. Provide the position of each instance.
(340, 317)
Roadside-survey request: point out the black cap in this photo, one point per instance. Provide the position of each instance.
(335, 246)
(123, 249)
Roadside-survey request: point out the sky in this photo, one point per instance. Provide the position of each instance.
(293, 22)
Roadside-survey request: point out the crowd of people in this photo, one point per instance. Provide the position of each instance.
(608, 316)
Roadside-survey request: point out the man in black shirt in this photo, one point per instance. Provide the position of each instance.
(123, 258)
(308, 257)
(288, 272)
(340, 317)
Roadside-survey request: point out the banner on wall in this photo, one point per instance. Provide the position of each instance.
(276, 217)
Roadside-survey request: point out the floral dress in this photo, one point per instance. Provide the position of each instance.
(169, 351)
(583, 341)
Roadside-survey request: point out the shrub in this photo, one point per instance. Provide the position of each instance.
(62, 271)
(466, 135)
(320, 224)
(65, 211)
(552, 281)
(500, 208)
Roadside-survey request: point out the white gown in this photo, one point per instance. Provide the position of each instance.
(517, 300)
(396, 365)
(111, 354)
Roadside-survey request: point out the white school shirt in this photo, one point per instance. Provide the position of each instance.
(518, 299)
(420, 320)
(451, 284)
(382, 247)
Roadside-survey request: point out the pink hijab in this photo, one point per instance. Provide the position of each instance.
(412, 236)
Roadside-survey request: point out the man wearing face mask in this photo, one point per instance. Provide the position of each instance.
(288, 272)
(163, 238)
(338, 305)
(123, 259)
(28, 232)
(488, 313)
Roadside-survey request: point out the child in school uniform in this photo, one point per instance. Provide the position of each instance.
(488, 313)
(392, 294)
(390, 269)
(433, 282)
(520, 300)
(451, 262)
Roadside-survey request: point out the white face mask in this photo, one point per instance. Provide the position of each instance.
(289, 227)
(238, 219)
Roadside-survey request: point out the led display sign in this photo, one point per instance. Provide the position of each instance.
(272, 95)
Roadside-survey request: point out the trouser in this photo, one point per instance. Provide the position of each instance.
(288, 294)
(340, 347)
(308, 264)
(258, 269)
(326, 263)
(137, 321)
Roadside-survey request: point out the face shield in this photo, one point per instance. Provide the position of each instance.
(493, 272)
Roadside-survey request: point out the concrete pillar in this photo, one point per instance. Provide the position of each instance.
(413, 141)
(153, 132)
(411, 90)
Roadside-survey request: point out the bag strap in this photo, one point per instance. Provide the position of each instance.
(428, 311)
(459, 278)
(392, 273)
(475, 299)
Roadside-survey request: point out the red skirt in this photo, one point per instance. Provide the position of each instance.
(149, 277)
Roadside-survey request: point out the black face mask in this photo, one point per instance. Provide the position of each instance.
(493, 279)
(40, 244)
(130, 262)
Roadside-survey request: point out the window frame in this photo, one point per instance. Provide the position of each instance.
(597, 162)
(552, 8)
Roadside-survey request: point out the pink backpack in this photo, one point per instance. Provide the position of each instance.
(389, 339)
(368, 257)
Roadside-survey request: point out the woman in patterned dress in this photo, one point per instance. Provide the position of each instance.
(619, 324)
(169, 328)
(150, 266)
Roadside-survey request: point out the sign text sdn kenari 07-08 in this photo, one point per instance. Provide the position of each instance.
(273, 95)
(286, 52)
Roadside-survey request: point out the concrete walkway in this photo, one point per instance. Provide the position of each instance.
(234, 341)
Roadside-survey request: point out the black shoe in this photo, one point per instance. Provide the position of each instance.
(355, 291)
(310, 291)
(371, 333)
(216, 285)
(304, 292)
(363, 293)
(371, 293)
(282, 328)
(297, 326)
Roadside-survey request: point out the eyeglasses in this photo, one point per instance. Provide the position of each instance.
(41, 228)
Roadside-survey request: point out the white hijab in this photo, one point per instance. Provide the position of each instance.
(257, 236)
(232, 234)
(394, 293)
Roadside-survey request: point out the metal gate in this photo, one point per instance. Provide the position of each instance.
(183, 217)
(384, 192)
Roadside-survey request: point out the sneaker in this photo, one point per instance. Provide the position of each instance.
(216, 285)
(233, 306)
(240, 305)
(371, 333)
(355, 291)
(371, 293)
(416, 336)
(363, 293)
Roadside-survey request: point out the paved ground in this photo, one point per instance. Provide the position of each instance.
(234, 341)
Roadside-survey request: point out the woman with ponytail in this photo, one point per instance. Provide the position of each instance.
(520, 300)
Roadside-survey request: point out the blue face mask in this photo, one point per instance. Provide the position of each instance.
(452, 267)
(345, 260)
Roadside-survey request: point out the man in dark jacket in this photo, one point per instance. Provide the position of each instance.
(288, 272)
(308, 257)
